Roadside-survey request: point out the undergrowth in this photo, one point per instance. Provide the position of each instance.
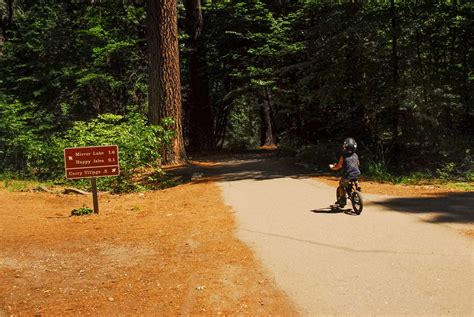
(458, 175)
(133, 181)
(84, 210)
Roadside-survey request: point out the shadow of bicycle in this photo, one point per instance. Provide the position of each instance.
(334, 210)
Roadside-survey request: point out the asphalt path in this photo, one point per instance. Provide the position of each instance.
(396, 258)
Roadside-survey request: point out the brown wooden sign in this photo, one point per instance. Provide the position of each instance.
(94, 161)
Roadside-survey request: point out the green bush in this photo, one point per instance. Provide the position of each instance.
(17, 135)
(242, 130)
(463, 170)
(416, 178)
(317, 156)
(84, 210)
(467, 166)
(378, 171)
(289, 145)
(447, 172)
(140, 145)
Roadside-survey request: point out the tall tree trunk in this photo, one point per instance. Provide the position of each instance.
(5, 23)
(164, 91)
(200, 112)
(395, 115)
(298, 116)
(467, 86)
(2, 40)
(421, 70)
(266, 137)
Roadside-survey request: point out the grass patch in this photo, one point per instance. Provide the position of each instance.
(20, 185)
(84, 210)
(448, 180)
(137, 180)
(463, 186)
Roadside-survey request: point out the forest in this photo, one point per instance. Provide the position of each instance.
(167, 79)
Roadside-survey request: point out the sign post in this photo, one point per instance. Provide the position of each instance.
(95, 201)
(92, 162)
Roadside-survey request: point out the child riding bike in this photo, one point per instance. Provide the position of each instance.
(349, 162)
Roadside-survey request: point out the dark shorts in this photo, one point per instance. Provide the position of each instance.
(344, 181)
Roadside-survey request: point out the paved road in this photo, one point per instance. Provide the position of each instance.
(383, 262)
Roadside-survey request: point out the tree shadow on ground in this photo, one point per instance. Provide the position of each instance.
(255, 165)
(264, 165)
(442, 208)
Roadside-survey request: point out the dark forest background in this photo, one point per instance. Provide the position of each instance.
(303, 75)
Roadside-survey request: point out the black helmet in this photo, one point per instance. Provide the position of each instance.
(350, 145)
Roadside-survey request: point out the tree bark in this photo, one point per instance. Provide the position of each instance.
(164, 92)
(298, 116)
(201, 136)
(467, 87)
(2, 40)
(266, 138)
(5, 24)
(395, 115)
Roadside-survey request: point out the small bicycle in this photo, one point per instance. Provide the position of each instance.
(351, 190)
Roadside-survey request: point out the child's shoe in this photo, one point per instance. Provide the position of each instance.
(341, 203)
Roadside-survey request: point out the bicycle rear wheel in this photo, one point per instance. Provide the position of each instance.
(357, 202)
(341, 197)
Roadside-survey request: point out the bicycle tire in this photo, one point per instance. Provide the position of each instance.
(357, 202)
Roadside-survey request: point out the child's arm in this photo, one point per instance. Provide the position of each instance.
(338, 165)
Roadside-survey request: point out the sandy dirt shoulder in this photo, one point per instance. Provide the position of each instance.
(170, 252)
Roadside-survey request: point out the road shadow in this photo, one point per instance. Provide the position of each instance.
(332, 210)
(256, 165)
(443, 208)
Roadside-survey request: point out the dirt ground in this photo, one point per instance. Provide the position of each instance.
(170, 252)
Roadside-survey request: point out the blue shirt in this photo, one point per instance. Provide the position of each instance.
(350, 166)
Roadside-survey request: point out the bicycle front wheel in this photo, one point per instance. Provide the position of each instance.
(357, 202)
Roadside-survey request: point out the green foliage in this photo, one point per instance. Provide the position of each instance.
(84, 210)
(415, 178)
(242, 129)
(462, 171)
(17, 187)
(446, 171)
(289, 146)
(70, 72)
(329, 68)
(12, 184)
(379, 172)
(121, 184)
(140, 145)
(85, 57)
(22, 137)
(317, 155)
(325, 67)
